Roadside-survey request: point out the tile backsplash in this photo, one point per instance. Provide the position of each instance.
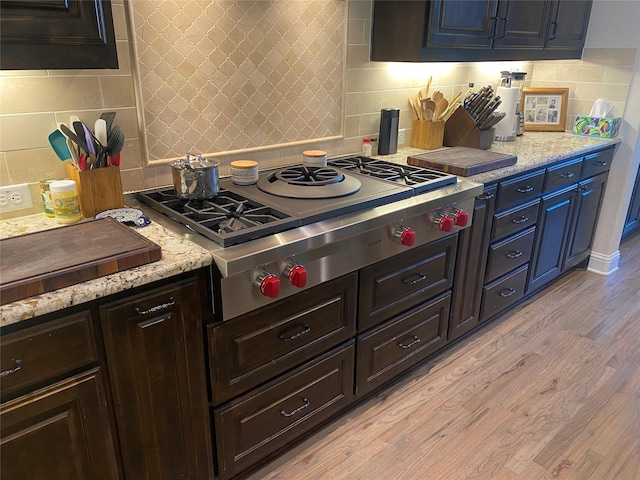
(32, 103)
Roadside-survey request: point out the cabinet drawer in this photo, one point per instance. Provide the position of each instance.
(389, 349)
(36, 354)
(253, 426)
(254, 348)
(505, 292)
(596, 163)
(519, 190)
(509, 254)
(515, 220)
(406, 280)
(562, 175)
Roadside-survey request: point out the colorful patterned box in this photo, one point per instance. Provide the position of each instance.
(603, 127)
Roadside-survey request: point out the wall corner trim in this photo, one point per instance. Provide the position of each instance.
(604, 264)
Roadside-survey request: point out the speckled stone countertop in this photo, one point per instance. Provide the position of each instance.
(178, 255)
(533, 149)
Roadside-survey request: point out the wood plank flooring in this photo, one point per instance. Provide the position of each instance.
(549, 391)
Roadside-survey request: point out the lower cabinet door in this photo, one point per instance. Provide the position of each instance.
(388, 350)
(59, 432)
(257, 424)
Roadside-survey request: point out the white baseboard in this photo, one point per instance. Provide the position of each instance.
(604, 264)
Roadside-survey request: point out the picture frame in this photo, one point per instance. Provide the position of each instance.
(544, 108)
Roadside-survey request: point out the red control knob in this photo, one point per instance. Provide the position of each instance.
(408, 237)
(298, 276)
(445, 223)
(461, 218)
(270, 286)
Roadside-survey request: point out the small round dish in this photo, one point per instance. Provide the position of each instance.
(123, 215)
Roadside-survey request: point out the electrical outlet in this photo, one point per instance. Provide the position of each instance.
(401, 136)
(15, 197)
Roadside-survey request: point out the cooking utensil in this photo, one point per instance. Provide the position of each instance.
(115, 141)
(59, 144)
(195, 178)
(428, 109)
(437, 96)
(77, 140)
(100, 131)
(108, 117)
(416, 109)
(426, 89)
(441, 107)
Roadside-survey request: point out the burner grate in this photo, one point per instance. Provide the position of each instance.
(228, 219)
(421, 179)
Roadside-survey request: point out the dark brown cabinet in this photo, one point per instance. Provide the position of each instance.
(154, 348)
(475, 30)
(632, 222)
(254, 348)
(56, 34)
(471, 265)
(54, 416)
(556, 211)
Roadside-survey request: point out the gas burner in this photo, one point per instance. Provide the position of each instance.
(418, 178)
(309, 182)
(311, 176)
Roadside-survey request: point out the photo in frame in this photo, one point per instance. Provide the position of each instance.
(544, 108)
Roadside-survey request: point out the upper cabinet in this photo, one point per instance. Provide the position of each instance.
(57, 34)
(477, 30)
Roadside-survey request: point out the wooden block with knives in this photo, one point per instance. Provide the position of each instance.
(471, 124)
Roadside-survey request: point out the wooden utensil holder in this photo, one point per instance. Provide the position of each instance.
(426, 135)
(99, 189)
(461, 130)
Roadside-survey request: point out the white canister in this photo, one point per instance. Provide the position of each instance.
(314, 158)
(244, 172)
(64, 199)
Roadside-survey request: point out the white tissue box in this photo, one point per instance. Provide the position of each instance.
(602, 127)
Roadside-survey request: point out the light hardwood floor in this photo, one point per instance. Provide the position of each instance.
(548, 391)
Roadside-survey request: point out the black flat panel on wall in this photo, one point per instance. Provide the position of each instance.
(57, 34)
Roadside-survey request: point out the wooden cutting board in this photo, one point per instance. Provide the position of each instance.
(48, 260)
(463, 161)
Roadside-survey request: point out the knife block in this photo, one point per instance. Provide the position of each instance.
(426, 135)
(99, 189)
(460, 130)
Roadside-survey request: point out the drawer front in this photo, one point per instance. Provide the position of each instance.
(388, 350)
(404, 281)
(499, 295)
(509, 254)
(519, 190)
(254, 348)
(36, 354)
(562, 175)
(596, 163)
(515, 220)
(253, 426)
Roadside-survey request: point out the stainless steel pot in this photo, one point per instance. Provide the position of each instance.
(195, 177)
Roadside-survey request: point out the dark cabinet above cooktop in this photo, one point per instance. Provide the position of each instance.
(57, 34)
(478, 30)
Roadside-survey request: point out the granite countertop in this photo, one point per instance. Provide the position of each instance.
(178, 255)
(533, 149)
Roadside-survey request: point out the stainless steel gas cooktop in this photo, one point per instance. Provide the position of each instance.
(295, 196)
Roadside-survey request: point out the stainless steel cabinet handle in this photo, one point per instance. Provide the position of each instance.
(486, 196)
(18, 366)
(526, 189)
(163, 306)
(600, 164)
(297, 410)
(514, 254)
(566, 175)
(504, 27)
(305, 329)
(554, 30)
(416, 340)
(507, 293)
(420, 277)
(492, 28)
(520, 220)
